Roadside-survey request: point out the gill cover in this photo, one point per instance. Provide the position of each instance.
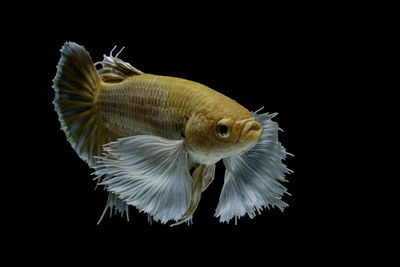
(252, 180)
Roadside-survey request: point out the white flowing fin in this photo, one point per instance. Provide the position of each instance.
(115, 205)
(148, 172)
(252, 180)
(115, 70)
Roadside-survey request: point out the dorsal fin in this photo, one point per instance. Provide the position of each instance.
(114, 70)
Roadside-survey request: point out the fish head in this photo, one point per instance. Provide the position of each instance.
(217, 135)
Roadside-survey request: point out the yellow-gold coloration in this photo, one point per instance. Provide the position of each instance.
(154, 140)
(167, 107)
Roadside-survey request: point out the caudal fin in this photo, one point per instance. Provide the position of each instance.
(75, 86)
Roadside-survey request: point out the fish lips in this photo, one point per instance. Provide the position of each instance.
(251, 132)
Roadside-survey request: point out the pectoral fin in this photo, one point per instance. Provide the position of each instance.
(150, 173)
(252, 180)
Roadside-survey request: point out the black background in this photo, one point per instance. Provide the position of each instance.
(298, 65)
(283, 75)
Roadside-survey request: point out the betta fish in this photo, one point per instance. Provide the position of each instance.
(153, 141)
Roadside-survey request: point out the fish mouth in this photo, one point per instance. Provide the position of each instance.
(251, 132)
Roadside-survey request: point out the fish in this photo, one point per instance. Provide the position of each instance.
(153, 141)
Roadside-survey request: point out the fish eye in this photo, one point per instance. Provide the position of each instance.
(223, 130)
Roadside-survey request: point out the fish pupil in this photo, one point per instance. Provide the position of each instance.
(223, 129)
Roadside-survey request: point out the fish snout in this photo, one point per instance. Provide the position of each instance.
(251, 132)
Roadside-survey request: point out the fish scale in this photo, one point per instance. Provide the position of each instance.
(149, 104)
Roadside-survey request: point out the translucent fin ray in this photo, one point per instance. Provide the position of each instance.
(115, 205)
(75, 86)
(201, 179)
(252, 180)
(115, 70)
(148, 172)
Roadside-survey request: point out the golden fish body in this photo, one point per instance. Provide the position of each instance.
(174, 108)
(154, 140)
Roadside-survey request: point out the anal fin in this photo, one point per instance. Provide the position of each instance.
(148, 172)
(115, 205)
